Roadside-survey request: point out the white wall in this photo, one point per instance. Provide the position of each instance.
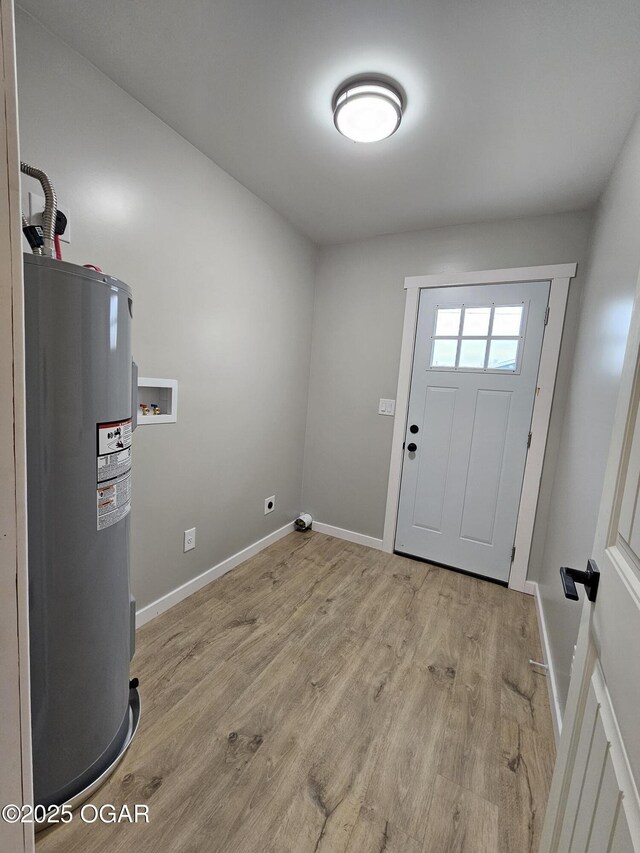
(223, 297)
(357, 332)
(607, 296)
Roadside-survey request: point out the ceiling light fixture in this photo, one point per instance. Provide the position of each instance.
(367, 110)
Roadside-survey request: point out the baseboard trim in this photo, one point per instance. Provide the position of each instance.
(349, 535)
(166, 602)
(556, 714)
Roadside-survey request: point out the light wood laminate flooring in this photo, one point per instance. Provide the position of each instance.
(325, 697)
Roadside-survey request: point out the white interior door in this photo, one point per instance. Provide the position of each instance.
(594, 803)
(473, 386)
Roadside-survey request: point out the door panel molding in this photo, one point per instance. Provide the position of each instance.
(594, 799)
(495, 404)
(618, 753)
(625, 573)
(433, 463)
(559, 276)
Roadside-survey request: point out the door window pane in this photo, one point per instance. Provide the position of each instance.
(503, 355)
(472, 354)
(476, 322)
(478, 337)
(444, 353)
(507, 320)
(448, 321)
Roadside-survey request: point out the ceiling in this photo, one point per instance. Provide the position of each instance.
(514, 107)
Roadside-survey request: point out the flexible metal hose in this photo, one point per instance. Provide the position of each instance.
(50, 206)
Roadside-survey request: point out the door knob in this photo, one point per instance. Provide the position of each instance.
(412, 447)
(590, 579)
(414, 428)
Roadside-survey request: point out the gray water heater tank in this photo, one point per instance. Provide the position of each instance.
(79, 428)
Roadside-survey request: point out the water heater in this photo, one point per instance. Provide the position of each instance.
(79, 455)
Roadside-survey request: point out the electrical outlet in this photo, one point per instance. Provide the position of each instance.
(269, 504)
(189, 539)
(36, 209)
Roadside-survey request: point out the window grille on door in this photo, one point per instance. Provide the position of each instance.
(485, 338)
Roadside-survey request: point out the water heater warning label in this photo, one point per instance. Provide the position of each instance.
(114, 437)
(114, 501)
(113, 472)
(113, 464)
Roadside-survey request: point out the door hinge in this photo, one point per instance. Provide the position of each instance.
(546, 315)
(404, 444)
(529, 440)
(513, 553)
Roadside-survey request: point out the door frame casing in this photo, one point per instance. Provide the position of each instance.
(15, 733)
(559, 277)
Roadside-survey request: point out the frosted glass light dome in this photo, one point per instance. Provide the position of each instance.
(367, 111)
